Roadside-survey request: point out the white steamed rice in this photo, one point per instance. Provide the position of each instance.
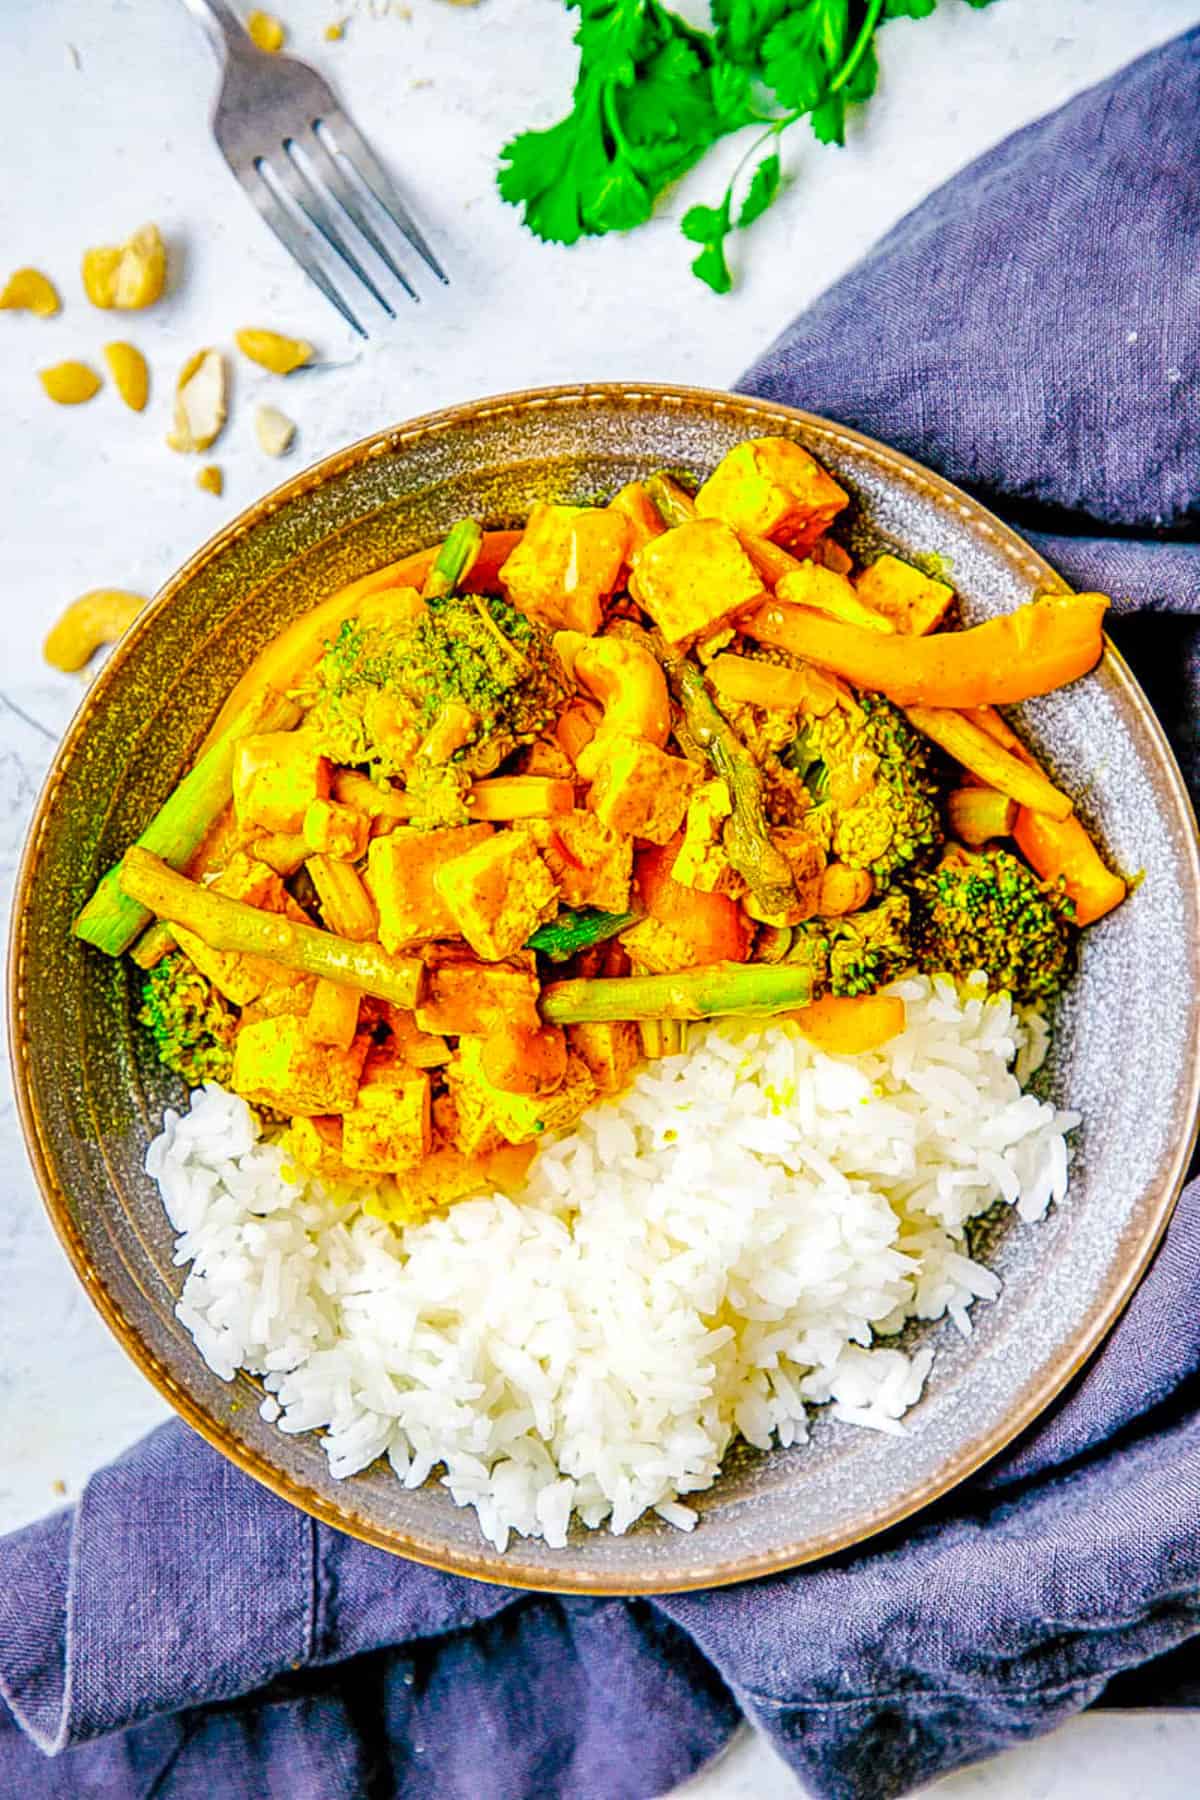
(711, 1252)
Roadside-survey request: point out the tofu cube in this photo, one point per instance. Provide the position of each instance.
(420, 1049)
(465, 996)
(497, 893)
(566, 565)
(823, 590)
(331, 829)
(913, 601)
(693, 579)
(400, 872)
(592, 863)
(390, 1126)
(276, 777)
(483, 1109)
(611, 1051)
(276, 1064)
(316, 1145)
(774, 488)
(642, 792)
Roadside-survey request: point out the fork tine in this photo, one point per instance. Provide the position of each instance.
(276, 215)
(349, 143)
(301, 188)
(348, 200)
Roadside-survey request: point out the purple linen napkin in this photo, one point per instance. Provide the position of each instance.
(1031, 330)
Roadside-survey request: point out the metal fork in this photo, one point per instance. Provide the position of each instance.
(303, 162)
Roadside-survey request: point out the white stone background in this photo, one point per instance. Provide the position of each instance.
(104, 106)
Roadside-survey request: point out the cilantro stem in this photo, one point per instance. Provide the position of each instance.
(859, 48)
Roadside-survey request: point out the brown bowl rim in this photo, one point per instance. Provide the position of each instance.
(488, 1565)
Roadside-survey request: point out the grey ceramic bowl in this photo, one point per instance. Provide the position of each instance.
(1125, 1047)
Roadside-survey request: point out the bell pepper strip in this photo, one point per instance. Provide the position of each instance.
(1037, 648)
(112, 919)
(1058, 849)
(571, 932)
(283, 663)
(712, 991)
(225, 924)
(978, 815)
(847, 1025)
(977, 751)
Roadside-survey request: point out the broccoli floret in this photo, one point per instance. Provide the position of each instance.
(858, 953)
(191, 1025)
(876, 776)
(990, 912)
(485, 675)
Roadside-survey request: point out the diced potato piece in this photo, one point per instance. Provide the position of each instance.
(820, 589)
(333, 1015)
(567, 564)
(914, 602)
(346, 906)
(497, 893)
(611, 1052)
(701, 861)
(390, 1126)
(464, 996)
(520, 1118)
(276, 1064)
(335, 830)
(592, 863)
(642, 792)
(276, 777)
(693, 579)
(772, 486)
(400, 872)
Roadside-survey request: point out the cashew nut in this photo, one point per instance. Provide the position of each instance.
(629, 684)
(273, 351)
(200, 398)
(28, 290)
(128, 276)
(70, 383)
(274, 430)
(98, 617)
(210, 480)
(127, 366)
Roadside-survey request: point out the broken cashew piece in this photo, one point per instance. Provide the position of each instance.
(266, 30)
(274, 430)
(210, 480)
(200, 402)
(98, 617)
(271, 350)
(70, 383)
(127, 366)
(28, 290)
(128, 276)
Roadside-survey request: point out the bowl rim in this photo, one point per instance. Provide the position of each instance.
(488, 1565)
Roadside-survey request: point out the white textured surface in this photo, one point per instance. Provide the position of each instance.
(107, 101)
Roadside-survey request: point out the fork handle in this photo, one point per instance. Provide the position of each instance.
(224, 29)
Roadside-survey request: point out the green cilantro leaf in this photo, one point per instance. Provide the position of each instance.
(763, 189)
(711, 268)
(909, 9)
(705, 224)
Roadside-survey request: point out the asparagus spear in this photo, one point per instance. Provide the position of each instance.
(225, 924)
(112, 919)
(704, 993)
(674, 503)
(454, 561)
(747, 836)
(574, 931)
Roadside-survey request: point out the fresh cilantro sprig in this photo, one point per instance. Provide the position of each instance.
(653, 94)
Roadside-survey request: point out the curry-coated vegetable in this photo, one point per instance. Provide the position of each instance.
(1039, 647)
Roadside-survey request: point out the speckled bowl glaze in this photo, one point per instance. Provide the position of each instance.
(1125, 1047)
